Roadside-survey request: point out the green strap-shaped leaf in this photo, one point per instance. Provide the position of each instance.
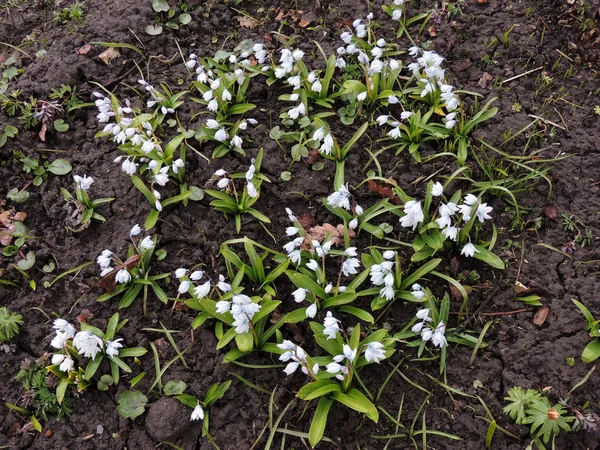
(319, 422)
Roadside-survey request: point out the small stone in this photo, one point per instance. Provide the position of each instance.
(99, 429)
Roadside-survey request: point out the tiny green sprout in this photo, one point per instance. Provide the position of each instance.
(84, 209)
(597, 110)
(10, 324)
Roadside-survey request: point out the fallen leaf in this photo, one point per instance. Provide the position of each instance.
(108, 55)
(48, 433)
(482, 2)
(432, 31)
(42, 133)
(8, 219)
(551, 212)
(306, 221)
(485, 79)
(541, 316)
(320, 232)
(246, 22)
(456, 294)
(304, 23)
(385, 191)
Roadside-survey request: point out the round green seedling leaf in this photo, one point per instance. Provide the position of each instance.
(174, 387)
(28, 262)
(17, 196)
(132, 404)
(154, 30)
(160, 5)
(184, 19)
(60, 167)
(60, 125)
(197, 193)
(286, 176)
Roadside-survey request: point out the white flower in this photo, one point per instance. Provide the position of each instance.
(353, 224)
(291, 231)
(350, 265)
(313, 265)
(184, 286)
(438, 337)
(299, 295)
(123, 276)
(179, 273)
(422, 314)
(413, 51)
(65, 361)
(202, 291)
(212, 124)
(333, 367)
(221, 135)
(394, 133)
(197, 413)
(397, 14)
(104, 259)
(162, 177)
(350, 251)
(213, 105)
(316, 86)
(376, 66)
(291, 367)
(311, 311)
(340, 198)
(417, 327)
(84, 182)
(226, 95)
(112, 347)
(223, 183)
(196, 275)
(470, 199)
(413, 214)
(129, 167)
(327, 144)
(105, 271)
(331, 326)
(450, 232)
(148, 146)
(437, 189)
(61, 325)
(223, 307)
(448, 209)
(374, 352)
(389, 254)
(135, 230)
(483, 211)
(87, 344)
(346, 37)
(290, 215)
(382, 120)
(60, 340)
(252, 192)
(381, 42)
(469, 250)
(349, 352)
(418, 293)
(222, 285)
(147, 243)
(221, 173)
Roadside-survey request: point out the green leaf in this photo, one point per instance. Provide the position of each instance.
(174, 387)
(197, 193)
(132, 404)
(240, 109)
(304, 282)
(591, 352)
(185, 18)
(488, 257)
(357, 401)
(60, 167)
(160, 5)
(154, 29)
(286, 175)
(28, 262)
(244, 341)
(318, 389)
(60, 125)
(319, 422)
(17, 196)
(357, 312)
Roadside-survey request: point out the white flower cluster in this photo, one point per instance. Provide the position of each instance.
(242, 308)
(428, 70)
(387, 119)
(428, 333)
(86, 343)
(84, 183)
(299, 296)
(186, 282)
(297, 357)
(217, 94)
(341, 199)
(383, 274)
(373, 63)
(225, 182)
(287, 68)
(106, 258)
(223, 136)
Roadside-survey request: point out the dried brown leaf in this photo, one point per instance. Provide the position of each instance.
(541, 316)
(42, 133)
(246, 22)
(336, 234)
(108, 55)
(85, 49)
(551, 212)
(432, 31)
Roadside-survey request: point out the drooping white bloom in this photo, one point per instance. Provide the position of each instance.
(418, 293)
(437, 189)
(413, 214)
(394, 133)
(375, 67)
(65, 361)
(483, 211)
(311, 312)
(60, 340)
(135, 230)
(353, 224)
(252, 192)
(382, 120)
(147, 243)
(196, 275)
(450, 233)
(350, 265)
(123, 276)
(340, 198)
(374, 352)
(327, 144)
(312, 265)
(213, 105)
(397, 14)
(162, 177)
(222, 285)
(184, 286)
(470, 199)
(112, 347)
(84, 183)
(331, 326)
(389, 254)
(197, 413)
(223, 183)
(438, 338)
(87, 344)
(316, 86)
(299, 295)
(221, 135)
(350, 251)
(202, 291)
(469, 250)
(62, 326)
(129, 167)
(179, 273)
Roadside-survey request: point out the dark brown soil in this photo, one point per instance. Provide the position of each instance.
(545, 34)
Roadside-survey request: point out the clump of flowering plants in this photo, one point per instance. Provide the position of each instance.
(237, 316)
(201, 408)
(85, 208)
(235, 198)
(332, 377)
(451, 222)
(79, 354)
(137, 135)
(131, 276)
